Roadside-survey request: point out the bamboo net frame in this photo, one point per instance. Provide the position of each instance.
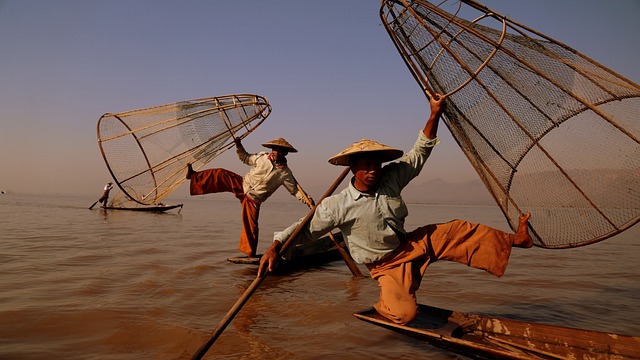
(147, 150)
(547, 129)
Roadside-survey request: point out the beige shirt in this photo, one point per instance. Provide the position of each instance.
(265, 178)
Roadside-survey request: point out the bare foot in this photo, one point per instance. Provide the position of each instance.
(189, 171)
(522, 238)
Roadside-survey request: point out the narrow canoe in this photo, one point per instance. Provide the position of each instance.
(303, 256)
(486, 337)
(145, 208)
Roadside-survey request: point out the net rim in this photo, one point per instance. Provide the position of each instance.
(240, 100)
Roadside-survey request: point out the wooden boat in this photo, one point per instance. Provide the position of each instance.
(303, 256)
(486, 337)
(157, 208)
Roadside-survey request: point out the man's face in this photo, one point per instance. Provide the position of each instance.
(278, 153)
(367, 171)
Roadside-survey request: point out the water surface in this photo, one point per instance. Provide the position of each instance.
(81, 284)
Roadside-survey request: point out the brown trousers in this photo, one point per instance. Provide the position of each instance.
(104, 198)
(221, 180)
(399, 275)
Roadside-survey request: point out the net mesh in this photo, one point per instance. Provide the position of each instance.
(122, 200)
(147, 150)
(548, 130)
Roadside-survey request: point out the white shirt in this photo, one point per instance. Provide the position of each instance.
(265, 178)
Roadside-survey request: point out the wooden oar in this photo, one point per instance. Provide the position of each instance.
(345, 255)
(258, 280)
(347, 259)
(94, 204)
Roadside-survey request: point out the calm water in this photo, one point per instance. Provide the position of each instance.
(80, 284)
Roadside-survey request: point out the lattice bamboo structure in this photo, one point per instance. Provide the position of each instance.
(147, 150)
(548, 130)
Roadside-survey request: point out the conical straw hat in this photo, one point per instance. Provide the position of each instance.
(280, 142)
(385, 152)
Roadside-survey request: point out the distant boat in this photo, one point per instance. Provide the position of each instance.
(157, 208)
(3, 192)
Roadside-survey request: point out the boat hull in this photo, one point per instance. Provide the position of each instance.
(302, 256)
(485, 337)
(146, 208)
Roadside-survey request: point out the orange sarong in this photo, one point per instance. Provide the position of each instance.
(222, 180)
(400, 274)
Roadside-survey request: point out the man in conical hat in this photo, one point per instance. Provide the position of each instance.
(269, 171)
(370, 213)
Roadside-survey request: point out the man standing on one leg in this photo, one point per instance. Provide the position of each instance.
(269, 171)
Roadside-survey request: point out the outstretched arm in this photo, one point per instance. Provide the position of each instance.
(304, 197)
(436, 102)
(319, 224)
(243, 155)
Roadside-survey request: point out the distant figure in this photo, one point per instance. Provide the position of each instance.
(105, 194)
(268, 173)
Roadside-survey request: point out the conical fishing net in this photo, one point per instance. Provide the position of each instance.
(147, 150)
(549, 130)
(123, 200)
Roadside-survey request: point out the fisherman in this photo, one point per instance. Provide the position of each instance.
(370, 213)
(105, 194)
(269, 171)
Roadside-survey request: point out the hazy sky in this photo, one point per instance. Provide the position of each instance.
(328, 68)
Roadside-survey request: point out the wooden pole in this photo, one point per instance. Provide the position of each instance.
(355, 271)
(258, 280)
(347, 259)
(94, 204)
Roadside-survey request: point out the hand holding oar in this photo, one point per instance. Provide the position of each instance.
(345, 255)
(258, 280)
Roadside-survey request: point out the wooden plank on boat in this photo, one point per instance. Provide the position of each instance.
(245, 260)
(486, 337)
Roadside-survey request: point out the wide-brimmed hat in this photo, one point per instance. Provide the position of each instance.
(280, 142)
(367, 146)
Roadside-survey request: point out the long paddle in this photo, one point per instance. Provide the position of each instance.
(355, 271)
(347, 259)
(94, 204)
(258, 280)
